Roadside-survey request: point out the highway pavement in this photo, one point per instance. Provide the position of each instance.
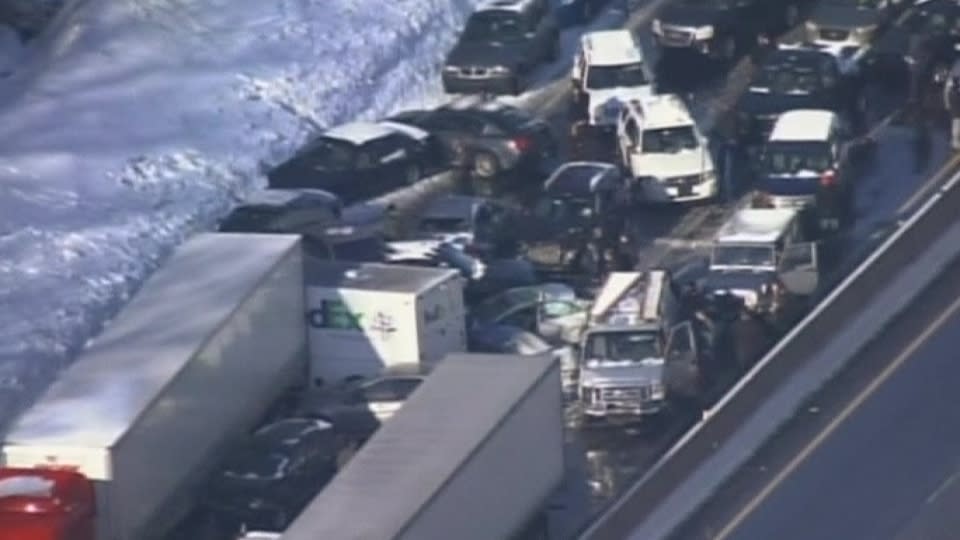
(875, 455)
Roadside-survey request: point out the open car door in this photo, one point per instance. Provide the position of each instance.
(799, 269)
(681, 366)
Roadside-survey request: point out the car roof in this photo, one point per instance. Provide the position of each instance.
(611, 48)
(756, 225)
(359, 132)
(662, 111)
(515, 6)
(283, 197)
(579, 177)
(803, 125)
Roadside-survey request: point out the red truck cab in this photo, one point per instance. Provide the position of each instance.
(46, 504)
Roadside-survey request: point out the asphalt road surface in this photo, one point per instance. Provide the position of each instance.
(874, 456)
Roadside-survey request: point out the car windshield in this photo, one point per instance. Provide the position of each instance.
(330, 154)
(623, 346)
(797, 158)
(563, 211)
(669, 140)
(785, 79)
(494, 26)
(625, 76)
(256, 463)
(743, 255)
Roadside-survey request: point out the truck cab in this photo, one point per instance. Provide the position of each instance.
(811, 161)
(762, 256)
(636, 350)
(667, 155)
(46, 504)
(609, 69)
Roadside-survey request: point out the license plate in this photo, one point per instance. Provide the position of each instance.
(684, 191)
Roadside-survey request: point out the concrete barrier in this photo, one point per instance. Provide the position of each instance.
(772, 392)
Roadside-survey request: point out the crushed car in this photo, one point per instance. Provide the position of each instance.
(552, 311)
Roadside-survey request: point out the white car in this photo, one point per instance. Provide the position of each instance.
(662, 147)
(609, 70)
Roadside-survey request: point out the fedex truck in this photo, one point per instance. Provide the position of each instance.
(364, 317)
(121, 443)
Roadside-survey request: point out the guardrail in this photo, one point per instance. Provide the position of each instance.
(806, 358)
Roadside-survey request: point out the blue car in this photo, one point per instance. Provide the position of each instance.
(577, 12)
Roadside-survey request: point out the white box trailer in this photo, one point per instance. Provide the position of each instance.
(363, 317)
(189, 366)
(474, 454)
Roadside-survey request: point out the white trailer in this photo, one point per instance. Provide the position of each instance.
(474, 454)
(363, 317)
(188, 366)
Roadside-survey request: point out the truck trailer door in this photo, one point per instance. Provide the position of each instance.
(38, 504)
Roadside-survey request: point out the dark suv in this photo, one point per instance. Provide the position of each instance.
(503, 41)
(796, 78)
(721, 29)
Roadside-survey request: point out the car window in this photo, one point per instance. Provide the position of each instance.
(386, 149)
(391, 389)
(494, 26)
(524, 318)
(555, 309)
(624, 75)
(329, 154)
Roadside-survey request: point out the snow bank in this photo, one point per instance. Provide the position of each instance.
(133, 123)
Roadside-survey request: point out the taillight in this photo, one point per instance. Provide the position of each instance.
(828, 178)
(521, 144)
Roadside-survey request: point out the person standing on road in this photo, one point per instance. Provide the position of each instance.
(951, 100)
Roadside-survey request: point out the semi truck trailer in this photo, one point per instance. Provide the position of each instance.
(474, 454)
(120, 444)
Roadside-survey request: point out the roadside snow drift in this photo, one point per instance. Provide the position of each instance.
(132, 123)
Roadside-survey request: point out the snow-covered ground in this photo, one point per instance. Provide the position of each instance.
(131, 123)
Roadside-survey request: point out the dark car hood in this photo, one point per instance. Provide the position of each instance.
(844, 16)
(737, 280)
(488, 54)
(680, 15)
(761, 104)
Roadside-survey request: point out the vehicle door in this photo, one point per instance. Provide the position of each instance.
(334, 171)
(681, 356)
(523, 317)
(798, 269)
(559, 322)
(387, 165)
(384, 397)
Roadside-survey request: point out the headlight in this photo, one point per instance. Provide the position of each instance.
(656, 391)
(500, 70)
(451, 69)
(709, 176)
(655, 27)
(811, 27)
(702, 33)
(864, 35)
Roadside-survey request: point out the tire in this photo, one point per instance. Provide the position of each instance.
(485, 166)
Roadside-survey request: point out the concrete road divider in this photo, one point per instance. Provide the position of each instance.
(804, 360)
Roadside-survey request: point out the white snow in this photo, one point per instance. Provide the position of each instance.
(130, 124)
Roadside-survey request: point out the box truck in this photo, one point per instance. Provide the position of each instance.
(475, 454)
(363, 317)
(120, 444)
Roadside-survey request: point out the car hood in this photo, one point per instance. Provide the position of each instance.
(844, 17)
(690, 16)
(736, 280)
(757, 102)
(683, 163)
(621, 374)
(488, 54)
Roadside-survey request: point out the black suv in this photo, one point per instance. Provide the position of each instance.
(796, 78)
(488, 140)
(721, 29)
(503, 41)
